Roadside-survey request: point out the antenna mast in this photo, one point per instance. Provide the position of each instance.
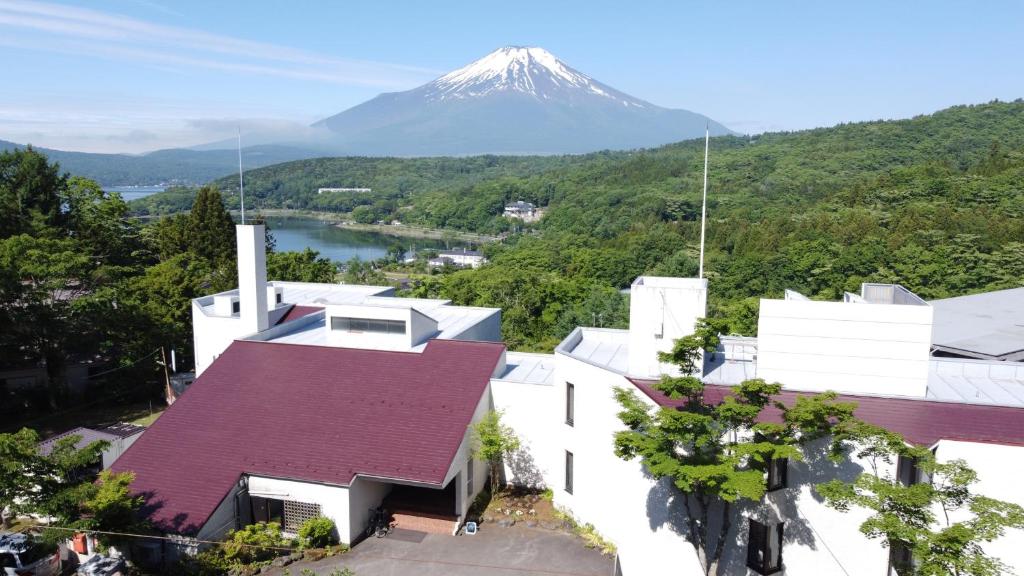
(242, 190)
(704, 204)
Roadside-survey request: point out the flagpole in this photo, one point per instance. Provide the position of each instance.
(704, 203)
(241, 185)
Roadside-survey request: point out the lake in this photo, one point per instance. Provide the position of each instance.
(338, 244)
(297, 234)
(130, 193)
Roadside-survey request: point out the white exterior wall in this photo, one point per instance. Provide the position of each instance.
(661, 310)
(855, 348)
(458, 471)
(212, 335)
(223, 519)
(614, 495)
(363, 494)
(333, 500)
(418, 327)
(533, 411)
(999, 469)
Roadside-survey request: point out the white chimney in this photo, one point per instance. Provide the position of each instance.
(252, 277)
(662, 310)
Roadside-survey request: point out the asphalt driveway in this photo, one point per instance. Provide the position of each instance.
(515, 551)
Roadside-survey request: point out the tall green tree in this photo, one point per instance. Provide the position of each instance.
(715, 454)
(30, 193)
(211, 231)
(904, 517)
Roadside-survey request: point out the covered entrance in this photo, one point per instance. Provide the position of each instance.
(423, 509)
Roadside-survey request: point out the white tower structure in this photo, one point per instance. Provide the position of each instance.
(662, 310)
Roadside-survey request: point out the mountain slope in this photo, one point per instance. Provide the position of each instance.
(172, 166)
(513, 101)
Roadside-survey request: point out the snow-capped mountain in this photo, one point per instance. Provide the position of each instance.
(515, 100)
(533, 71)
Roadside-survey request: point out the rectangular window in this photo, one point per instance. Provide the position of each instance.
(901, 560)
(469, 478)
(570, 403)
(778, 470)
(764, 547)
(907, 472)
(236, 307)
(568, 472)
(277, 297)
(342, 324)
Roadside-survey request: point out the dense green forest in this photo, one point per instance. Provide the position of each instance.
(83, 286)
(934, 202)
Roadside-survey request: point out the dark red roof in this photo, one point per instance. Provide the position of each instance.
(920, 421)
(297, 311)
(310, 413)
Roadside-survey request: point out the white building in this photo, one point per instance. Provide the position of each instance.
(352, 190)
(330, 399)
(461, 258)
(524, 211)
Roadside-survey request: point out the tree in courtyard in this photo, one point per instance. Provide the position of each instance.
(716, 454)
(18, 465)
(904, 517)
(493, 441)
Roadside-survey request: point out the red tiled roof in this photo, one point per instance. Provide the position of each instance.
(297, 312)
(920, 421)
(308, 413)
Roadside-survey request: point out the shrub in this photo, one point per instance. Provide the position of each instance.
(317, 532)
(254, 543)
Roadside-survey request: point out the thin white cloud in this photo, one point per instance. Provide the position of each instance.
(106, 35)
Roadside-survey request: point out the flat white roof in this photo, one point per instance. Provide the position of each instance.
(669, 282)
(977, 381)
(309, 294)
(452, 321)
(527, 368)
(604, 347)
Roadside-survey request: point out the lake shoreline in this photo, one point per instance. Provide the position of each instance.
(401, 230)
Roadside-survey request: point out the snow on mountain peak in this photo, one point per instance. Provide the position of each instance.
(529, 70)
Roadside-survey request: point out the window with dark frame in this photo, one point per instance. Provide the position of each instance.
(343, 324)
(778, 473)
(764, 547)
(469, 477)
(236, 307)
(277, 297)
(570, 403)
(901, 560)
(568, 472)
(907, 472)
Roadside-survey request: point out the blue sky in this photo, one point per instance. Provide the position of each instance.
(136, 75)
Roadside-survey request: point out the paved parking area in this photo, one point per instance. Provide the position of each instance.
(515, 551)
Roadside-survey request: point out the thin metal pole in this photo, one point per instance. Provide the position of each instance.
(704, 203)
(241, 184)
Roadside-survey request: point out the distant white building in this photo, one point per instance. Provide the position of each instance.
(524, 211)
(462, 258)
(353, 190)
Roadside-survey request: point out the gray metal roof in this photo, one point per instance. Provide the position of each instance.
(987, 325)
(976, 381)
(87, 436)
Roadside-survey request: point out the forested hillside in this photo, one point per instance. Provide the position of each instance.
(935, 203)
